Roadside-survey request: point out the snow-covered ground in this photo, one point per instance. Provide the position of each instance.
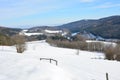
(53, 31)
(27, 66)
(24, 32)
(30, 34)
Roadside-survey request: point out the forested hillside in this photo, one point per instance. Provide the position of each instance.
(108, 27)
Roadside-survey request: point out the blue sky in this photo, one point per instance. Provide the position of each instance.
(22, 13)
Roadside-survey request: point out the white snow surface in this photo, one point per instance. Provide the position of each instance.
(53, 31)
(30, 34)
(27, 66)
(103, 42)
(24, 32)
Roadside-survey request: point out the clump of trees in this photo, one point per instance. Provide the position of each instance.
(19, 43)
(17, 40)
(60, 41)
(41, 37)
(95, 46)
(6, 40)
(35, 37)
(112, 53)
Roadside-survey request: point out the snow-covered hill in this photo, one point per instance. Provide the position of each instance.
(27, 66)
(88, 35)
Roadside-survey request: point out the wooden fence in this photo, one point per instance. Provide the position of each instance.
(50, 60)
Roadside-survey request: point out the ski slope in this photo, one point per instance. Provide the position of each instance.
(27, 66)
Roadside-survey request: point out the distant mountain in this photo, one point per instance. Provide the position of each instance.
(78, 25)
(9, 31)
(108, 27)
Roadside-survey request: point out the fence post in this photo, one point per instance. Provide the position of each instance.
(50, 60)
(107, 76)
(56, 63)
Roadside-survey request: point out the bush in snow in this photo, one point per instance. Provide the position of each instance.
(20, 43)
(112, 53)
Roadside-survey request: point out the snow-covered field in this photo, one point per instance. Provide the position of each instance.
(27, 66)
(53, 31)
(102, 42)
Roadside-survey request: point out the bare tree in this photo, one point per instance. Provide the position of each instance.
(117, 49)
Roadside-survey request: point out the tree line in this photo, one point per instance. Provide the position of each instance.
(78, 42)
(17, 40)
